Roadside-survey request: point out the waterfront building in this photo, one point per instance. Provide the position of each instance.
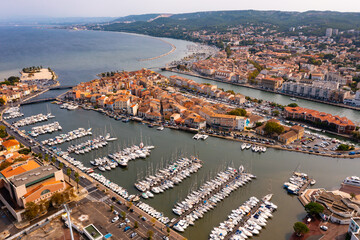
(27, 181)
(271, 83)
(334, 123)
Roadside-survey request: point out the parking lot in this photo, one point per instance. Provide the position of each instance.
(99, 214)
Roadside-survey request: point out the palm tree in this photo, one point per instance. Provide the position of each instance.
(77, 183)
(53, 160)
(61, 165)
(68, 172)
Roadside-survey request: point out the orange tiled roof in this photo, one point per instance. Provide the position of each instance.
(10, 143)
(15, 169)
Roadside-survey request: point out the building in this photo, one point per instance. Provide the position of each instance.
(271, 83)
(328, 32)
(11, 145)
(296, 132)
(354, 229)
(27, 181)
(338, 124)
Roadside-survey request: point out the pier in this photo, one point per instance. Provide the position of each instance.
(244, 220)
(207, 197)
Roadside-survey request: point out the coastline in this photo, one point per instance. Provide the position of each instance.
(265, 90)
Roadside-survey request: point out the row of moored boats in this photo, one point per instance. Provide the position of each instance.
(169, 176)
(206, 198)
(43, 129)
(13, 112)
(254, 147)
(33, 119)
(87, 146)
(153, 212)
(72, 135)
(113, 186)
(69, 106)
(297, 181)
(246, 221)
(199, 136)
(131, 153)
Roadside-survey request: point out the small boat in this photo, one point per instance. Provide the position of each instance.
(160, 128)
(293, 99)
(312, 182)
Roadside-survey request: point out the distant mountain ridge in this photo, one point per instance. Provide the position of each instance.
(220, 19)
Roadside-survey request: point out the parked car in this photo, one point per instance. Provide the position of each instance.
(126, 229)
(324, 228)
(115, 219)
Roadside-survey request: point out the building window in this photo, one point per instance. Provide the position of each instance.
(45, 191)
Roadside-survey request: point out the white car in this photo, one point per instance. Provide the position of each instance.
(115, 219)
(324, 228)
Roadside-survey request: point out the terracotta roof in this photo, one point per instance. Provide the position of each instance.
(10, 143)
(17, 169)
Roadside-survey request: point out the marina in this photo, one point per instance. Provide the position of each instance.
(131, 153)
(89, 145)
(208, 195)
(168, 177)
(13, 112)
(246, 221)
(152, 212)
(72, 135)
(298, 182)
(43, 129)
(33, 119)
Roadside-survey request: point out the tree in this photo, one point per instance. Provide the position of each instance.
(300, 228)
(77, 182)
(276, 113)
(150, 234)
(57, 199)
(123, 215)
(343, 147)
(273, 127)
(293, 105)
(314, 208)
(352, 195)
(61, 165)
(258, 124)
(129, 204)
(2, 102)
(111, 208)
(153, 221)
(40, 155)
(31, 210)
(228, 51)
(68, 172)
(76, 174)
(46, 157)
(238, 112)
(168, 230)
(53, 159)
(3, 133)
(136, 224)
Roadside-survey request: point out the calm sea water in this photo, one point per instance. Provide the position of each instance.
(78, 56)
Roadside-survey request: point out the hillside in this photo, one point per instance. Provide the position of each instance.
(175, 25)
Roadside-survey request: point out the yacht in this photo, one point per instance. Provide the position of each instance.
(353, 180)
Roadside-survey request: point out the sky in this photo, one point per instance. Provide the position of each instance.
(118, 8)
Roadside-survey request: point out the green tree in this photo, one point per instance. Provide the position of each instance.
(77, 182)
(53, 160)
(314, 208)
(68, 172)
(292, 105)
(276, 113)
(61, 165)
(31, 210)
(3, 132)
(273, 127)
(123, 215)
(57, 199)
(352, 195)
(343, 147)
(150, 234)
(111, 208)
(300, 228)
(40, 155)
(136, 224)
(238, 112)
(46, 158)
(76, 174)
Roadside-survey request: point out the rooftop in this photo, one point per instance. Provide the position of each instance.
(32, 176)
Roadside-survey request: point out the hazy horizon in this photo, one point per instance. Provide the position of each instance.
(24, 9)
